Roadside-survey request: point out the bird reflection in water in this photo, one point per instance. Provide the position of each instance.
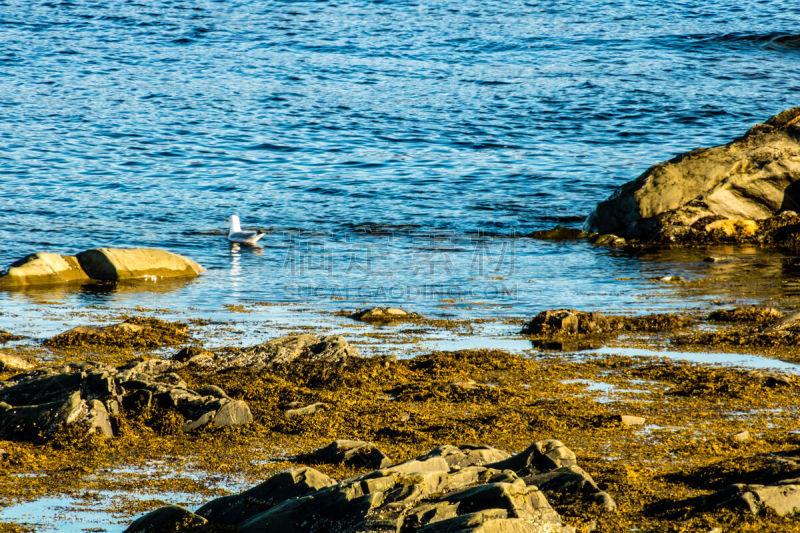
(236, 251)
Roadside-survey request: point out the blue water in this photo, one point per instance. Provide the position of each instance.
(394, 150)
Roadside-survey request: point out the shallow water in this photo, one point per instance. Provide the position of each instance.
(384, 145)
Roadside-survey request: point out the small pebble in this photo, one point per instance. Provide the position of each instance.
(628, 420)
(741, 436)
(711, 259)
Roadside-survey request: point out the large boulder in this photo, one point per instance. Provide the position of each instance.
(43, 268)
(113, 264)
(751, 178)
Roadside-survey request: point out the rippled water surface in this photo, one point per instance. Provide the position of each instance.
(395, 151)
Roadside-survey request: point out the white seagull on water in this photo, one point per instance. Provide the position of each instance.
(235, 234)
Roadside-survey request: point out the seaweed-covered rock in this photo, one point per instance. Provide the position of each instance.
(135, 332)
(749, 179)
(567, 321)
(559, 233)
(113, 264)
(748, 315)
(305, 348)
(42, 268)
(568, 328)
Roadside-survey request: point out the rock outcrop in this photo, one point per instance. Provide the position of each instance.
(450, 489)
(42, 268)
(89, 395)
(101, 264)
(752, 178)
(293, 349)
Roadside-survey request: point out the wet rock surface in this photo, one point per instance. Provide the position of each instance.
(559, 233)
(722, 191)
(135, 332)
(89, 397)
(448, 489)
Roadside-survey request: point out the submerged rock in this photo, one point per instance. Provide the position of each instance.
(559, 233)
(732, 186)
(43, 268)
(113, 264)
(450, 489)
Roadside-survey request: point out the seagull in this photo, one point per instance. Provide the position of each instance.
(235, 234)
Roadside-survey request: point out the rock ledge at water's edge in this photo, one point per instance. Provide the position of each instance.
(752, 178)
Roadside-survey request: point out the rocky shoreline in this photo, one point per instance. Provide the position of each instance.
(562, 437)
(641, 440)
